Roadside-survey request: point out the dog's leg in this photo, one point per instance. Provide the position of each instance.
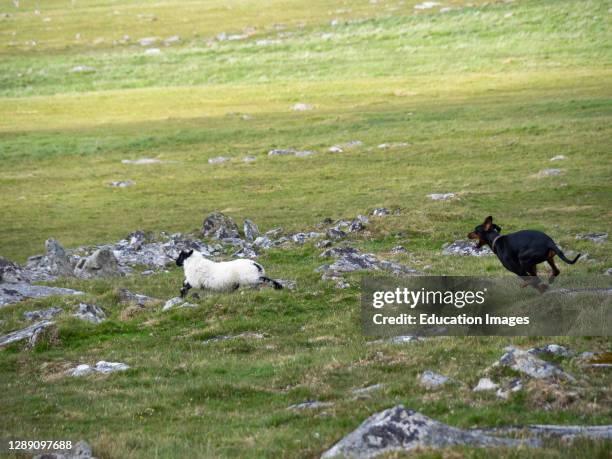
(185, 289)
(536, 282)
(555, 270)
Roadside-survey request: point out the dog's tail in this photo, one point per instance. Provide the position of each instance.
(559, 252)
(277, 285)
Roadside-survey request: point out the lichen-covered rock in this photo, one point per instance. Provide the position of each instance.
(57, 259)
(430, 380)
(125, 296)
(101, 263)
(597, 238)
(219, 226)
(465, 247)
(530, 365)
(398, 429)
(485, 384)
(90, 313)
(25, 333)
(14, 293)
(251, 231)
(81, 450)
(12, 272)
(42, 314)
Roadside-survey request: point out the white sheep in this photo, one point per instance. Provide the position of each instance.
(220, 276)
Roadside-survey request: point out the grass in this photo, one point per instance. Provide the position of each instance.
(483, 96)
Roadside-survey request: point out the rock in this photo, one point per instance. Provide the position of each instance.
(251, 231)
(350, 259)
(249, 159)
(122, 183)
(11, 272)
(551, 349)
(598, 238)
(300, 107)
(545, 431)
(324, 243)
(441, 196)
(399, 430)
(245, 335)
(515, 385)
(485, 384)
(177, 301)
(290, 152)
(142, 161)
(83, 69)
(57, 260)
(465, 247)
(548, 173)
(81, 370)
(425, 5)
(526, 363)
(91, 313)
(245, 252)
(368, 390)
(152, 52)
(219, 226)
(264, 242)
(335, 149)
(148, 41)
(102, 263)
(310, 405)
(334, 233)
(398, 249)
(125, 296)
(101, 367)
(80, 450)
(558, 158)
(304, 153)
(381, 212)
(24, 333)
(218, 159)
(42, 314)
(301, 238)
(356, 226)
(172, 40)
(274, 232)
(14, 293)
(287, 284)
(430, 380)
(608, 272)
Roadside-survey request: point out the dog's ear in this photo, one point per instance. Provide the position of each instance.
(497, 228)
(487, 223)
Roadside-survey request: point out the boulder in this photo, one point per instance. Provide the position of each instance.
(251, 231)
(530, 365)
(465, 247)
(398, 429)
(219, 226)
(309, 405)
(551, 349)
(57, 259)
(430, 380)
(42, 314)
(485, 384)
(381, 212)
(100, 367)
(12, 272)
(90, 313)
(14, 293)
(25, 333)
(598, 238)
(101, 263)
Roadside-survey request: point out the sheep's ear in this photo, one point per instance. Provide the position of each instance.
(189, 253)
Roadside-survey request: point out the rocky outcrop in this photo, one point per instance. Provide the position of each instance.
(399, 429)
(466, 248)
(251, 231)
(530, 365)
(12, 272)
(219, 226)
(430, 380)
(81, 450)
(25, 333)
(101, 263)
(100, 367)
(14, 293)
(90, 313)
(597, 238)
(42, 314)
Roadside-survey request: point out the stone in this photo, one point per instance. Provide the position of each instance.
(301, 238)
(301, 107)
(152, 52)
(11, 272)
(425, 5)
(335, 149)
(244, 335)
(83, 69)
(90, 313)
(148, 41)
(598, 238)
(545, 431)
(81, 370)
(381, 212)
(110, 367)
(287, 284)
(356, 226)
(551, 349)
(57, 260)
(80, 450)
(398, 249)
(16, 292)
(334, 233)
(218, 159)
(25, 333)
(441, 196)
(177, 301)
(142, 161)
(274, 232)
(219, 226)
(530, 365)
(430, 380)
(101, 263)
(304, 153)
(485, 384)
(558, 158)
(42, 314)
(323, 244)
(608, 272)
(172, 40)
(309, 405)
(465, 247)
(126, 296)
(251, 231)
(399, 429)
(249, 159)
(549, 173)
(368, 389)
(264, 242)
(122, 183)
(245, 252)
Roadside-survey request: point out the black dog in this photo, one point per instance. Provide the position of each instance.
(520, 252)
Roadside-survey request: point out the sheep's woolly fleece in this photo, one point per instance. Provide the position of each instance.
(219, 276)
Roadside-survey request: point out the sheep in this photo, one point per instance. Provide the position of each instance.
(220, 276)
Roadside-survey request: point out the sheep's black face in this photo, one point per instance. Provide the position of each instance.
(183, 256)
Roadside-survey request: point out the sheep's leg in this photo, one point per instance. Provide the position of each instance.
(185, 289)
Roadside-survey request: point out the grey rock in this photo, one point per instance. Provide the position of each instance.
(335, 149)
(465, 247)
(309, 405)
(398, 430)
(287, 284)
(301, 107)
(335, 234)
(122, 183)
(485, 384)
(304, 153)
(282, 152)
(245, 252)
(177, 301)
(142, 161)
(12, 272)
(337, 252)
(81, 370)
(381, 212)
(608, 272)
(90, 313)
(42, 314)
(274, 232)
(83, 69)
(545, 431)
(126, 296)
(356, 226)
(218, 159)
(558, 158)
(101, 263)
(324, 243)
(251, 231)
(25, 333)
(549, 173)
(243, 335)
(249, 159)
(526, 363)
(80, 450)
(100, 367)
(368, 390)
(430, 380)
(264, 242)
(399, 249)
(598, 238)
(16, 292)
(148, 41)
(551, 349)
(219, 226)
(301, 238)
(57, 259)
(441, 196)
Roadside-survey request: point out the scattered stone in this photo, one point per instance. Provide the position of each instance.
(290, 152)
(91, 313)
(177, 301)
(430, 380)
(218, 159)
(287, 284)
(245, 335)
(81, 370)
(515, 385)
(598, 238)
(57, 260)
(301, 238)
(548, 173)
(304, 153)
(526, 363)
(335, 149)
(381, 212)
(148, 41)
(264, 242)
(399, 249)
(543, 430)
(441, 196)
(300, 107)
(42, 314)
(465, 247)
(551, 349)
(398, 430)
(558, 158)
(11, 272)
(172, 40)
(368, 390)
(219, 226)
(425, 5)
(100, 367)
(81, 450)
(608, 272)
(335, 234)
(125, 296)
(152, 52)
(485, 384)
(310, 405)
(251, 231)
(16, 292)
(122, 183)
(25, 333)
(101, 263)
(274, 232)
(142, 161)
(249, 159)
(356, 226)
(245, 252)
(83, 69)
(323, 244)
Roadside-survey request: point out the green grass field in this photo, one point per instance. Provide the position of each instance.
(476, 100)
